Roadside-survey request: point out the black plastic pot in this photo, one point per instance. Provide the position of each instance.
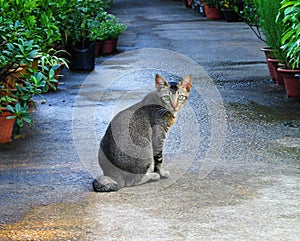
(82, 59)
(230, 15)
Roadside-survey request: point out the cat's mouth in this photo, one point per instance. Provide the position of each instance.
(174, 113)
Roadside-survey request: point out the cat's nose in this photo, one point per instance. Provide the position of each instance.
(174, 106)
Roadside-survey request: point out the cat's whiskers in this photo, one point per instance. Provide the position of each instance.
(161, 111)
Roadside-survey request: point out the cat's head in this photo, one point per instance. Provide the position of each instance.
(173, 96)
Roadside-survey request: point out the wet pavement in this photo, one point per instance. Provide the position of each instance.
(233, 155)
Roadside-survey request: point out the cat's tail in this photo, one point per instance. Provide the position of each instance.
(105, 184)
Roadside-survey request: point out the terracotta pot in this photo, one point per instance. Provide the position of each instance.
(212, 13)
(34, 65)
(268, 54)
(58, 71)
(291, 82)
(6, 126)
(268, 51)
(109, 46)
(13, 76)
(278, 76)
(98, 48)
(35, 62)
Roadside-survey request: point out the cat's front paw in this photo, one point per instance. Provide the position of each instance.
(163, 174)
(154, 177)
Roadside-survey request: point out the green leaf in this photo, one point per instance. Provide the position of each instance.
(10, 108)
(287, 35)
(20, 122)
(288, 10)
(18, 108)
(11, 117)
(10, 46)
(28, 120)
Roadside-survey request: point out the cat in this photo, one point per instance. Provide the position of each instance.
(131, 150)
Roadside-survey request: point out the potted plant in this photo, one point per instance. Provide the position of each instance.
(260, 16)
(108, 30)
(30, 86)
(6, 122)
(272, 28)
(290, 15)
(15, 49)
(15, 102)
(212, 9)
(17, 88)
(79, 17)
(26, 34)
(231, 8)
(24, 40)
(51, 64)
(97, 32)
(268, 51)
(17, 54)
(36, 20)
(14, 105)
(79, 46)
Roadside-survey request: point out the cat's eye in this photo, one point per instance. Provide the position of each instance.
(180, 97)
(166, 98)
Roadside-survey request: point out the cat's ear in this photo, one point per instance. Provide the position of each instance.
(186, 83)
(160, 82)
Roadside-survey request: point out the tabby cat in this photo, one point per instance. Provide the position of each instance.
(131, 149)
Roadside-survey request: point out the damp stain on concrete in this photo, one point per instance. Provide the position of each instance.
(47, 223)
(252, 111)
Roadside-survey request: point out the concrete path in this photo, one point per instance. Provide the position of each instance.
(233, 155)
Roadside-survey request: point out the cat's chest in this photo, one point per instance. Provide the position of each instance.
(171, 120)
(166, 120)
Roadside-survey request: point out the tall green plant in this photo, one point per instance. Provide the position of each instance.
(290, 15)
(271, 24)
